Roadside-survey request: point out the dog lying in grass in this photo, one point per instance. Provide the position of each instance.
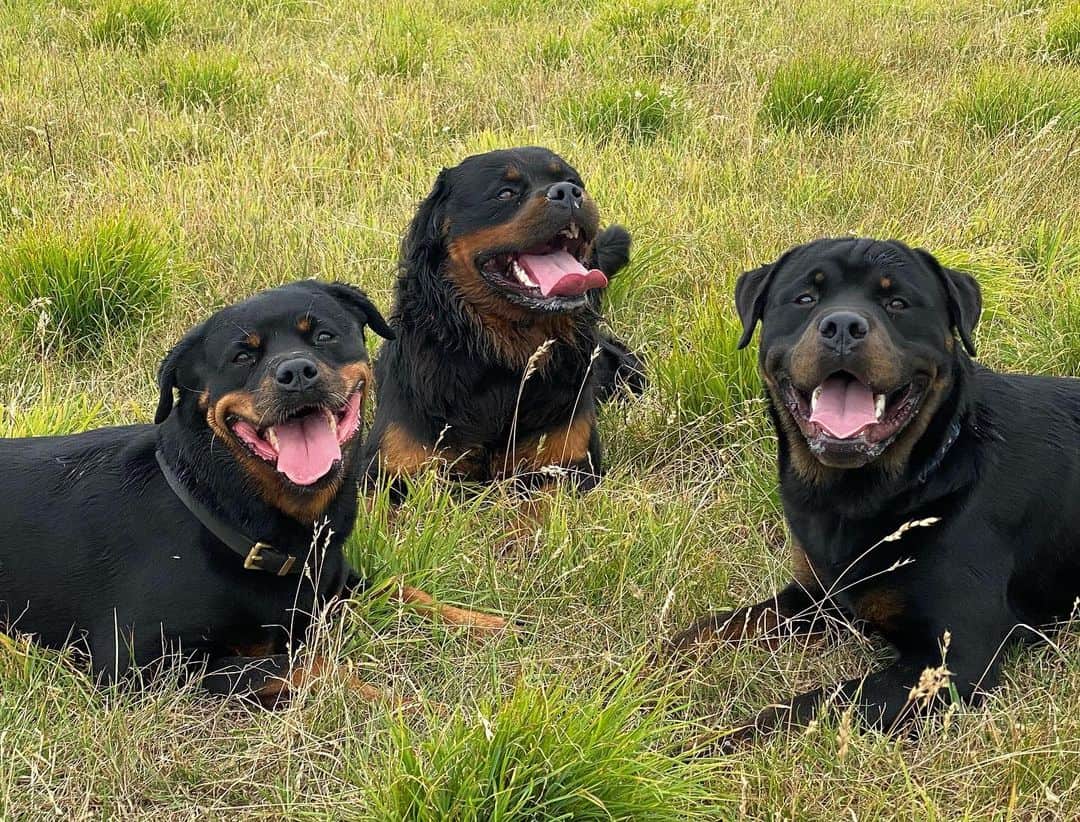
(935, 501)
(498, 364)
(197, 536)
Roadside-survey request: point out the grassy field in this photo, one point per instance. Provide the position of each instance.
(159, 159)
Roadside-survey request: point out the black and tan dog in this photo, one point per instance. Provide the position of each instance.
(933, 500)
(500, 274)
(195, 536)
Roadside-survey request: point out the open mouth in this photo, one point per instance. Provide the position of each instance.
(306, 445)
(844, 413)
(550, 271)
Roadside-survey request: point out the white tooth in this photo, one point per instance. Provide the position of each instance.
(331, 418)
(814, 399)
(879, 405)
(271, 435)
(522, 277)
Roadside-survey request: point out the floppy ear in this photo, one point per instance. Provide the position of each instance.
(751, 289)
(361, 306)
(422, 244)
(167, 372)
(965, 298)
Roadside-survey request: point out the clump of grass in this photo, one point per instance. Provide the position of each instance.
(637, 112)
(1051, 250)
(1062, 41)
(50, 416)
(72, 295)
(705, 375)
(1001, 101)
(204, 81)
(135, 23)
(664, 33)
(542, 754)
(407, 44)
(823, 94)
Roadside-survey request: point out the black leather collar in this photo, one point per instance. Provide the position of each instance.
(257, 555)
(951, 436)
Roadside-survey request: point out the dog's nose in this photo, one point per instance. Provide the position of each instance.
(843, 330)
(296, 374)
(566, 194)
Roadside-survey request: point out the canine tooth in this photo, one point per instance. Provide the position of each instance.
(574, 230)
(814, 399)
(331, 418)
(271, 435)
(879, 405)
(519, 272)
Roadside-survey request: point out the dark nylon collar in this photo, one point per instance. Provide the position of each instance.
(935, 461)
(257, 556)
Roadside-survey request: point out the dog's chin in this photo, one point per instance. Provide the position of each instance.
(847, 438)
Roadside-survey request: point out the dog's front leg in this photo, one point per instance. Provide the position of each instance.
(271, 680)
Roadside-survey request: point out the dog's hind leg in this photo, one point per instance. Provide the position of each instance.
(271, 680)
(478, 624)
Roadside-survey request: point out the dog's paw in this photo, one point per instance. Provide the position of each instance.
(611, 251)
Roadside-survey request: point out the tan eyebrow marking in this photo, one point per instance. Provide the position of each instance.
(512, 173)
(819, 278)
(253, 339)
(303, 325)
(886, 282)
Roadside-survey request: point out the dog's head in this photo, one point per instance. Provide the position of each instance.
(512, 232)
(280, 380)
(857, 344)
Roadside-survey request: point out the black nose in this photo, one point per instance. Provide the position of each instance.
(566, 193)
(296, 374)
(843, 330)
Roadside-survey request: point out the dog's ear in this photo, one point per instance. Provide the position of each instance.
(422, 245)
(167, 372)
(751, 290)
(611, 251)
(360, 305)
(965, 298)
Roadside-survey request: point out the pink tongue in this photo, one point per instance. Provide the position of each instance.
(307, 448)
(560, 274)
(845, 407)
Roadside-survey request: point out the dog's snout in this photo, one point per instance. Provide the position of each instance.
(566, 194)
(296, 374)
(843, 330)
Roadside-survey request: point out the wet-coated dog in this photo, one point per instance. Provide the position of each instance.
(499, 364)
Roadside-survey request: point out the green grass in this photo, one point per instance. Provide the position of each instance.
(204, 81)
(249, 144)
(822, 93)
(543, 754)
(71, 294)
(135, 23)
(1003, 102)
(1062, 41)
(638, 112)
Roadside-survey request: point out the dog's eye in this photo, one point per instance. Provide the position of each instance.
(324, 337)
(896, 304)
(243, 358)
(506, 193)
(805, 299)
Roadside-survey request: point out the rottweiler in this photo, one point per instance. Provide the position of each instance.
(499, 363)
(932, 500)
(215, 534)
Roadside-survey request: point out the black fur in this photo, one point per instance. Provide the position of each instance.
(998, 465)
(444, 380)
(96, 548)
